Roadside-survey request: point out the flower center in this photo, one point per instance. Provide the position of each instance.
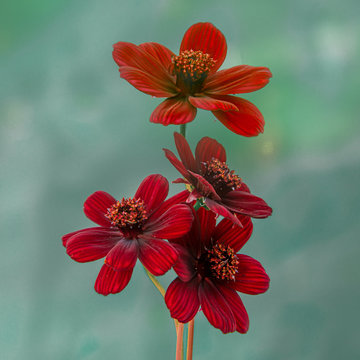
(191, 68)
(127, 213)
(218, 174)
(223, 262)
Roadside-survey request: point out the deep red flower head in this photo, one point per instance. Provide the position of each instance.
(191, 80)
(129, 229)
(210, 271)
(208, 177)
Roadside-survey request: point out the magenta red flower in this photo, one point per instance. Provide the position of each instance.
(191, 80)
(208, 177)
(130, 229)
(210, 272)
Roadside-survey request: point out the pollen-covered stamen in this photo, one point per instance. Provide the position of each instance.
(223, 262)
(127, 213)
(218, 174)
(193, 65)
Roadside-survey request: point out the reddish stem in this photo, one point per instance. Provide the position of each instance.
(179, 341)
(190, 340)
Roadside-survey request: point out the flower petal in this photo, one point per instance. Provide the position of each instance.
(237, 80)
(184, 152)
(185, 264)
(207, 149)
(66, 237)
(157, 256)
(247, 121)
(207, 222)
(123, 256)
(237, 308)
(153, 190)
(247, 204)
(207, 38)
(251, 278)
(166, 205)
(176, 110)
(204, 187)
(179, 166)
(210, 103)
(110, 281)
(160, 52)
(96, 205)
(220, 209)
(232, 235)
(128, 55)
(215, 307)
(174, 223)
(182, 299)
(92, 244)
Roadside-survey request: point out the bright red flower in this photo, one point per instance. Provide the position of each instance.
(129, 229)
(208, 177)
(210, 272)
(191, 80)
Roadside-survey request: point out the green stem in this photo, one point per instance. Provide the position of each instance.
(183, 130)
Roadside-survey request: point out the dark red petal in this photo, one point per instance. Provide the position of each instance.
(221, 210)
(180, 181)
(232, 235)
(179, 166)
(176, 110)
(237, 308)
(66, 237)
(207, 38)
(160, 52)
(207, 149)
(157, 256)
(153, 190)
(174, 223)
(185, 266)
(251, 277)
(110, 281)
(128, 55)
(182, 300)
(92, 244)
(215, 308)
(212, 104)
(207, 222)
(247, 204)
(184, 151)
(166, 205)
(237, 80)
(247, 121)
(204, 187)
(96, 206)
(123, 256)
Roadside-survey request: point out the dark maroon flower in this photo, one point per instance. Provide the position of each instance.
(191, 80)
(208, 177)
(129, 229)
(210, 271)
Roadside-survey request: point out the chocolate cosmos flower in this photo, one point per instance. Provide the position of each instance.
(210, 272)
(208, 177)
(129, 229)
(191, 80)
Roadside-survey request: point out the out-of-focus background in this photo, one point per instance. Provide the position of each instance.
(70, 126)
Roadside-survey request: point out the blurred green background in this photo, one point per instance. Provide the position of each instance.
(70, 126)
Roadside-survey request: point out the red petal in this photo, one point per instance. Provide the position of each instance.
(185, 264)
(174, 223)
(128, 55)
(207, 38)
(182, 300)
(247, 121)
(123, 256)
(247, 204)
(251, 277)
(221, 210)
(110, 281)
(157, 256)
(210, 103)
(179, 166)
(237, 80)
(232, 235)
(153, 190)
(184, 151)
(207, 222)
(166, 205)
(96, 205)
(160, 52)
(176, 110)
(204, 187)
(215, 308)
(92, 244)
(207, 149)
(66, 237)
(237, 308)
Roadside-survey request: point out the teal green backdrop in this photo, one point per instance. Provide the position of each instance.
(70, 126)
